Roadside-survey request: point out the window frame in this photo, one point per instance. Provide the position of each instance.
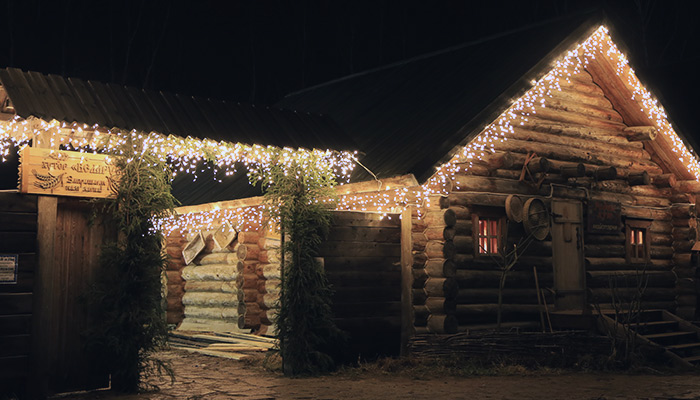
(631, 249)
(480, 214)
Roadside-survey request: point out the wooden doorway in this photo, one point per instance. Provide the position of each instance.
(568, 255)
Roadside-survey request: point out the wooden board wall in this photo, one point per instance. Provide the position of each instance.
(18, 226)
(362, 257)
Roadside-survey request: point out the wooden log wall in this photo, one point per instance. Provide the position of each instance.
(362, 260)
(210, 300)
(435, 286)
(583, 151)
(684, 234)
(175, 311)
(269, 273)
(232, 289)
(18, 228)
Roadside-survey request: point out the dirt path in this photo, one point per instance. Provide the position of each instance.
(204, 377)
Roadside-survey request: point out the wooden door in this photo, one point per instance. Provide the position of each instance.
(567, 255)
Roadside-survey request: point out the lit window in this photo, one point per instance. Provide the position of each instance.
(637, 242)
(488, 234)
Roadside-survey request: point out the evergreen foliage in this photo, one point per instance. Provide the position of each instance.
(309, 340)
(127, 311)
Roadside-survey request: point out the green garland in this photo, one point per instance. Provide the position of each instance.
(308, 338)
(127, 304)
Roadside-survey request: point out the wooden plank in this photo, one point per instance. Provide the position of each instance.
(17, 222)
(353, 218)
(45, 289)
(222, 354)
(367, 309)
(88, 101)
(367, 293)
(395, 182)
(407, 316)
(15, 303)
(355, 278)
(364, 233)
(16, 202)
(55, 107)
(367, 264)
(14, 345)
(331, 249)
(14, 366)
(17, 242)
(15, 324)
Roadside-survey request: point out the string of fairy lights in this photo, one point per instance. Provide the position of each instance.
(185, 154)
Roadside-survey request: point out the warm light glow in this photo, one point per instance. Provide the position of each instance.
(186, 154)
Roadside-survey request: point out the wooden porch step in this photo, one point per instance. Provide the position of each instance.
(684, 346)
(667, 338)
(692, 360)
(653, 326)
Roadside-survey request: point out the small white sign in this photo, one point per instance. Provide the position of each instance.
(8, 268)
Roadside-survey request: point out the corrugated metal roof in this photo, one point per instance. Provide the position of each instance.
(114, 106)
(408, 116)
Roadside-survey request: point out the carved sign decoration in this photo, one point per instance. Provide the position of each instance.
(66, 173)
(603, 217)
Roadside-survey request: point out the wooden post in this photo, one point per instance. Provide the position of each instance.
(406, 281)
(45, 286)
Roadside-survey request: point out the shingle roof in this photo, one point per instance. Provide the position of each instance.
(114, 106)
(407, 117)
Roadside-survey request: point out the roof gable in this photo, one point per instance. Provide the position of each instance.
(415, 116)
(598, 56)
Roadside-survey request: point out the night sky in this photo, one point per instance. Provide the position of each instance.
(258, 51)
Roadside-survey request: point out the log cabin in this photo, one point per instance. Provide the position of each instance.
(538, 152)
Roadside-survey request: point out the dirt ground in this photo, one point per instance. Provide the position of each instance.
(204, 377)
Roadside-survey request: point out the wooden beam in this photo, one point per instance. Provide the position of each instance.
(620, 95)
(46, 286)
(407, 317)
(641, 133)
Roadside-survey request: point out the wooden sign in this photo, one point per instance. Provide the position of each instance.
(603, 217)
(66, 173)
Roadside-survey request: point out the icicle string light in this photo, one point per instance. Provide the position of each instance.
(185, 154)
(572, 63)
